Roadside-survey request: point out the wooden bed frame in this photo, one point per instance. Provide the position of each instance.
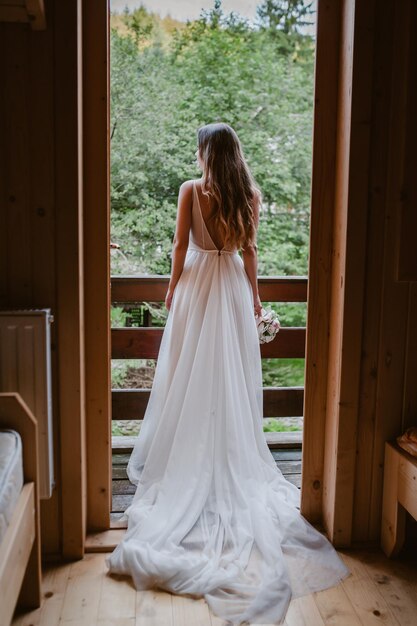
(20, 558)
(400, 496)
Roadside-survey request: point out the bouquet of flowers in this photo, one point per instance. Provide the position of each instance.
(267, 324)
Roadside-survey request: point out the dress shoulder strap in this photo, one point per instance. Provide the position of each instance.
(197, 202)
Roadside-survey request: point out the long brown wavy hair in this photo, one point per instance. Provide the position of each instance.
(228, 180)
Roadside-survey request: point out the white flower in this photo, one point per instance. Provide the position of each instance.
(267, 324)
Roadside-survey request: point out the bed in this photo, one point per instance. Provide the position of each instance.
(20, 565)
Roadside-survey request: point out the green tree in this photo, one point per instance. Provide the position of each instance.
(216, 68)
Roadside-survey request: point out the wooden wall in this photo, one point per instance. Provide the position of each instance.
(54, 241)
(362, 251)
(28, 267)
(387, 401)
(362, 318)
(41, 233)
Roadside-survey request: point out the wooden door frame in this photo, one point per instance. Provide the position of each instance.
(96, 174)
(336, 270)
(339, 206)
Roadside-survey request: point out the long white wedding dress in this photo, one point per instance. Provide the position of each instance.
(212, 515)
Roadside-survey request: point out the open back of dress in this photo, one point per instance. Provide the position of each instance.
(212, 515)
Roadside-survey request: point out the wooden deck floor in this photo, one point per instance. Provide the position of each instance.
(287, 459)
(379, 592)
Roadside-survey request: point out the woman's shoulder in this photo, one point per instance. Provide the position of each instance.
(186, 192)
(187, 185)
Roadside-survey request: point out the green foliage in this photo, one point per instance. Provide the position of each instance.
(277, 426)
(117, 317)
(285, 16)
(218, 67)
(283, 372)
(167, 79)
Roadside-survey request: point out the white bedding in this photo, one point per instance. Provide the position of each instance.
(11, 476)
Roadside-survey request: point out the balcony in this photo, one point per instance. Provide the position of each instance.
(143, 343)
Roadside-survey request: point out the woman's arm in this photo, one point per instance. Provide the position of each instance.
(181, 237)
(250, 262)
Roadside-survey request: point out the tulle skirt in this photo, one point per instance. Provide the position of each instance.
(212, 515)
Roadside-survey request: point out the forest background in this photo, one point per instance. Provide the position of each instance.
(170, 77)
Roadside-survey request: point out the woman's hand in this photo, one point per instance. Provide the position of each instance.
(168, 298)
(257, 305)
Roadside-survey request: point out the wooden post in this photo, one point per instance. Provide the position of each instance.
(97, 261)
(320, 257)
(69, 279)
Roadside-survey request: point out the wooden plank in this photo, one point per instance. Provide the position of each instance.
(335, 607)
(396, 583)
(15, 550)
(287, 454)
(117, 601)
(410, 388)
(188, 612)
(283, 401)
(406, 262)
(143, 343)
(303, 612)
(292, 439)
(124, 491)
(4, 156)
(356, 257)
(155, 607)
(123, 487)
(96, 189)
(295, 479)
(388, 417)
(130, 404)
(120, 502)
(15, 414)
(54, 588)
(374, 276)
(366, 599)
(83, 593)
(69, 279)
(348, 268)
(17, 166)
(119, 472)
(289, 467)
(41, 115)
(104, 541)
(320, 253)
(407, 483)
(117, 520)
(336, 327)
(393, 515)
(390, 599)
(141, 288)
(121, 445)
(120, 459)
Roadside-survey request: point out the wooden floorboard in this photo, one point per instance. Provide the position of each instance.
(379, 591)
(287, 459)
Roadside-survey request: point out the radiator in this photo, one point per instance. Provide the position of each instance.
(25, 367)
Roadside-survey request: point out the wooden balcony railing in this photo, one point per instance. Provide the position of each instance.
(143, 343)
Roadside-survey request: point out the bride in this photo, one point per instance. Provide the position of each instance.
(212, 515)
